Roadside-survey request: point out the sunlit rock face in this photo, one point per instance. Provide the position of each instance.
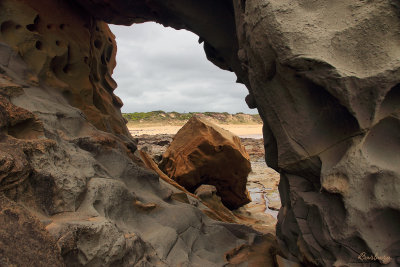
(203, 153)
(324, 76)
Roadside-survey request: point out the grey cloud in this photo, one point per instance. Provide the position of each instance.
(163, 69)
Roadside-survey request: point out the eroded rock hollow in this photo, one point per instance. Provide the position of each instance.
(324, 76)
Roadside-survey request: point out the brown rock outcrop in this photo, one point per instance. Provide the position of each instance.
(260, 252)
(23, 239)
(324, 76)
(70, 52)
(203, 153)
(262, 184)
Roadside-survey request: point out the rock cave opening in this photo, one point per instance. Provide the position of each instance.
(74, 193)
(160, 68)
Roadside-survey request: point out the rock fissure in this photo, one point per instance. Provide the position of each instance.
(326, 149)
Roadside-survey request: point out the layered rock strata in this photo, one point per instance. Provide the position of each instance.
(324, 76)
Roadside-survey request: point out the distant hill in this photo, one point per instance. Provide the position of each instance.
(176, 118)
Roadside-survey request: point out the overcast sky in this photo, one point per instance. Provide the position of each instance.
(161, 68)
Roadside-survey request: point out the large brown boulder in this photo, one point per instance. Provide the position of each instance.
(203, 153)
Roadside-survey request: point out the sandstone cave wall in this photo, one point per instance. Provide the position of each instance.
(69, 175)
(67, 50)
(324, 76)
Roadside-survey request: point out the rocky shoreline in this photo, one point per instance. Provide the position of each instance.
(323, 75)
(262, 181)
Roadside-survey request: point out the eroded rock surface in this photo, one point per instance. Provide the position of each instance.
(68, 51)
(23, 239)
(321, 85)
(93, 194)
(203, 153)
(324, 76)
(77, 172)
(154, 145)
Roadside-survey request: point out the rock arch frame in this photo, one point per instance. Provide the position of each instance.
(325, 86)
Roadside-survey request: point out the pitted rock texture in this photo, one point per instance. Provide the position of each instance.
(324, 76)
(203, 153)
(68, 51)
(23, 239)
(91, 192)
(82, 179)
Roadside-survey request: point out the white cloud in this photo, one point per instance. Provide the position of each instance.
(161, 68)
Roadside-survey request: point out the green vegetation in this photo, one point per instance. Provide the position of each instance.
(147, 116)
(173, 117)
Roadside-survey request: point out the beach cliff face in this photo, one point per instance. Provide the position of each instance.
(324, 76)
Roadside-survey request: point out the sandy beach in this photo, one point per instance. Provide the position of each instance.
(242, 130)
